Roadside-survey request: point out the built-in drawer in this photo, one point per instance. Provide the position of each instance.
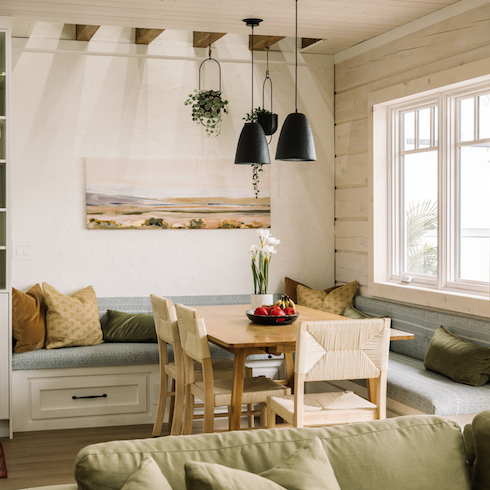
(79, 396)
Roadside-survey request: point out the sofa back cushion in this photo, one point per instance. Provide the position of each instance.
(404, 453)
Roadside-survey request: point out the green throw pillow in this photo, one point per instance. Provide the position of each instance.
(148, 477)
(481, 438)
(305, 469)
(351, 312)
(458, 359)
(126, 327)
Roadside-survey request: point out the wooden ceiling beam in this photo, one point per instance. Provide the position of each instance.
(308, 41)
(261, 43)
(146, 36)
(204, 39)
(85, 33)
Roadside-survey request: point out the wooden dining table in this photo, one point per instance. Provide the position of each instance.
(229, 327)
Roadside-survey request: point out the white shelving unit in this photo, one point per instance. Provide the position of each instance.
(5, 289)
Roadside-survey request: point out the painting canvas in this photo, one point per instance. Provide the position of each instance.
(124, 193)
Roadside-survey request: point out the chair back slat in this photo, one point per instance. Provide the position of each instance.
(342, 349)
(165, 319)
(193, 329)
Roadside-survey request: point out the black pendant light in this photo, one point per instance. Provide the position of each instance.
(296, 139)
(252, 146)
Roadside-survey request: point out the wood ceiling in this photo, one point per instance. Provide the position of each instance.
(339, 24)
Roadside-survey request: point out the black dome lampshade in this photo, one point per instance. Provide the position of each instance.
(296, 139)
(252, 146)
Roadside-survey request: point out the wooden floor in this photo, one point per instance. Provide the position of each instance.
(47, 457)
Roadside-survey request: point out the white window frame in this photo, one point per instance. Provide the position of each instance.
(441, 293)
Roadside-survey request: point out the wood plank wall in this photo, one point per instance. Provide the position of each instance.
(450, 43)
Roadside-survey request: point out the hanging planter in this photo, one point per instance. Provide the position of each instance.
(208, 106)
(267, 119)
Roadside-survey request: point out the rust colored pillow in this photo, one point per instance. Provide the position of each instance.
(291, 285)
(28, 319)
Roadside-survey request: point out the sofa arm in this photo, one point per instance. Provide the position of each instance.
(480, 431)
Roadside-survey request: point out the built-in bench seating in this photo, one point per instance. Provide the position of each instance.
(105, 384)
(121, 354)
(409, 383)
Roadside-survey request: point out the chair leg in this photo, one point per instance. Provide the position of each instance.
(208, 414)
(188, 413)
(251, 421)
(171, 405)
(271, 418)
(263, 415)
(178, 410)
(161, 406)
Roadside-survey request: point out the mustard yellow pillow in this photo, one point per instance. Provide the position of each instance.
(28, 319)
(335, 301)
(71, 320)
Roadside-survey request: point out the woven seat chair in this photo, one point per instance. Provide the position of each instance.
(212, 391)
(336, 350)
(168, 334)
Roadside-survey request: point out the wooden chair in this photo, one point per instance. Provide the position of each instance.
(336, 350)
(168, 334)
(212, 391)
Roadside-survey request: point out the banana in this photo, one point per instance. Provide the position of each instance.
(277, 303)
(291, 303)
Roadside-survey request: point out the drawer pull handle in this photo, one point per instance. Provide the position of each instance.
(74, 397)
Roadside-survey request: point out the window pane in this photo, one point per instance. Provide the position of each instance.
(424, 129)
(484, 116)
(474, 211)
(408, 131)
(420, 213)
(467, 119)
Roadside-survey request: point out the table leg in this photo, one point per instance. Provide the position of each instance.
(237, 390)
(288, 357)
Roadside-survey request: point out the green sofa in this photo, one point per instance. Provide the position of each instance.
(414, 452)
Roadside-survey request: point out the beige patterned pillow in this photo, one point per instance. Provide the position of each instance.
(71, 320)
(335, 301)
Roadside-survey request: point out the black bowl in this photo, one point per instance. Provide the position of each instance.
(271, 320)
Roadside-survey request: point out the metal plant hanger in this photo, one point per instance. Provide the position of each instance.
(267, 119)
(208, 105)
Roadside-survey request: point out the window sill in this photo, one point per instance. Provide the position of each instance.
(467, 304)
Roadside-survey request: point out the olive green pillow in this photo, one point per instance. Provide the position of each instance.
(148, 476)
(351, 312)
(305, 469)
(127, 327)
(480, 435)
(458, 359)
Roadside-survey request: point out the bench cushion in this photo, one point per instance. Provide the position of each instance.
(412, 385)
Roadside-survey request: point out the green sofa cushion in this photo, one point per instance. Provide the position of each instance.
(128, 327)
(403, 453)
(479, 432)
(305, 469)
(148, 477)
(458, 359)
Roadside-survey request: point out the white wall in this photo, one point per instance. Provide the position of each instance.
(111, 98)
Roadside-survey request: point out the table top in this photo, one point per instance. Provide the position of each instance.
(229, 326)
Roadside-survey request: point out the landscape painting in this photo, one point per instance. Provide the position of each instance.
(129, 193)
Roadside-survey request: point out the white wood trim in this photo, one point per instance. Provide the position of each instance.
(407, 29)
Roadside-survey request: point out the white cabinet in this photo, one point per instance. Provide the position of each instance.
(5, 322)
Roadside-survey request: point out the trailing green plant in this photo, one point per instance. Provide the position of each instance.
(254, 115)
(256, 168)
(207, 109)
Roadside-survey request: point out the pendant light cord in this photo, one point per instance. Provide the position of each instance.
(252, 69)
(296, 62)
